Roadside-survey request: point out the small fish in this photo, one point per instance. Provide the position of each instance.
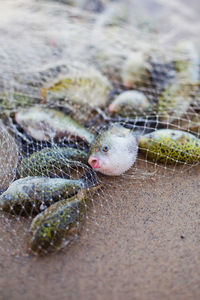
(178, 95)
(59, 224)
(129, 103)
(136, 69)
(27, 196)
(13, 101)
(52, 162)
(9, 156)
(174, 101)
(44, 124)
(83, 86)
(186, 61)
(171, 146)
(114, 151)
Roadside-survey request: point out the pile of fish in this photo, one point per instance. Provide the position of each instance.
(48, 184)
(97, 116)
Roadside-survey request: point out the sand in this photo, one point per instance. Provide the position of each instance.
(146, 246)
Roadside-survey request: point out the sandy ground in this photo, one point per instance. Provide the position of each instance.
(144, 243)
(145, 246)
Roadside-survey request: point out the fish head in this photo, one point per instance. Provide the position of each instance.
(128, 101)
(114, 151)
(117, 105)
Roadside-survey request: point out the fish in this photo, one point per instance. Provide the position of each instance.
(170, 146)
(178, 95)
(59, 224)
(30, 195)
(12, 101)
(113, 151)
(190, 122)
(129, 103)
(174, 101)
(56, 161)
(86, 86)
(136, 69)
(186, 61)
(9, 157)
(44, 124)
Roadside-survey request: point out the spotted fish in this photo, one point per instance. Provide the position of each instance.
(52, 162)
(58, 225)
(31, 195)
(171, 146)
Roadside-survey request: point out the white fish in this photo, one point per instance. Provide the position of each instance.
(114, 151)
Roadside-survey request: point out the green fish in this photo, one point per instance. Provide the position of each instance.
(171, 146)
(186, 61)
(136, 69)
(174, 101)
(11, 102)
(59, 224)
(30, 195)
(44, 124)
(50, 162)
(178, 95)
(84, 86)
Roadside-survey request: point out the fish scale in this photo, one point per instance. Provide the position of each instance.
(171, 146)
(52, 162)
(45, 124)
(26, 195)
(59, 224)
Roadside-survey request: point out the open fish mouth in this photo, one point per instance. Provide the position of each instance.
(94, 162)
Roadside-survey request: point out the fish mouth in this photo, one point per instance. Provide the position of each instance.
(94, 162)
(110, 108)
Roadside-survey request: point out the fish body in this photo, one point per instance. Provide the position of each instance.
(174, 101)
(58, 225)
(114, 151)
(9, 155)
(52, 162)
(87, 86)
(178, 95)
(12, 101)
(170, 146)
(129, 103)
(44, 124)
(30, 195)
(186, 61)
(136, 69)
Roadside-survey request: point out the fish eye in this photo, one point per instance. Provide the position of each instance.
(105, 148)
